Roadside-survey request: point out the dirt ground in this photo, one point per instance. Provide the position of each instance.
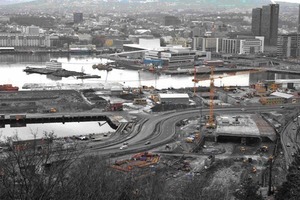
(42, 101)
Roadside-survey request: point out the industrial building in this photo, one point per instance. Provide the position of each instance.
(279, 98)
(174, 98)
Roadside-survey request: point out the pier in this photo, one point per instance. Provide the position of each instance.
(21, 120)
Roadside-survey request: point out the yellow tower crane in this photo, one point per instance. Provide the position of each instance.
(211, 121)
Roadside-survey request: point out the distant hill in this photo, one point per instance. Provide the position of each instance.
(86, 4)
(8, 2)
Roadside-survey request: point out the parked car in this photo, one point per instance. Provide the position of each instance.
(123, 147)
(148, 142)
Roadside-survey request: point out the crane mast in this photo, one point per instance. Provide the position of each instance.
(211, 122)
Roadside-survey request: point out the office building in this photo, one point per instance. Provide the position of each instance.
(210, 44)
(256, 21)
(265, 23)
(288, 45)
(299, 20)
(244, 45)
(78, 17)
(252, 45)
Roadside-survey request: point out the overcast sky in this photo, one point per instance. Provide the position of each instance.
(292, 1)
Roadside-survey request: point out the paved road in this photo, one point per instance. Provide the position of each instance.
(290, 140)
(159, 128)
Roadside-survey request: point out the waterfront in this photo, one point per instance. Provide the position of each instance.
(59, 129)
(12, 67)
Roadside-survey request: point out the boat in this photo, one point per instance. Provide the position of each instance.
(8, 88)
(53, 65)
(107, 67)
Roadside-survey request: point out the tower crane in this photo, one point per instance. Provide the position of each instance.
(211, 121)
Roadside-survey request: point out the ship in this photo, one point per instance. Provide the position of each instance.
(8, 88)
(53, 65)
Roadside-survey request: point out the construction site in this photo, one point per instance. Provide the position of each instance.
(234, 135)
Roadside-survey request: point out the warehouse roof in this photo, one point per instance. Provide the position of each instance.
(283, 95)
(175, 95)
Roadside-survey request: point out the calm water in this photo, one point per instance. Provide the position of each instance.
(59, 129)
(12, 72)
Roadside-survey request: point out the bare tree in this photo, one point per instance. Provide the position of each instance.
(34, 169)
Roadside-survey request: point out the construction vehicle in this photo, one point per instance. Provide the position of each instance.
(51, 110)
(264, 149)
(243, 149)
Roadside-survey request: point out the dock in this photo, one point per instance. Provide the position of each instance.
(22, 119)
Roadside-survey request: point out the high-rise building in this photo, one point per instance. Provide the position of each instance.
(78, 17)
(256, 21)
(269, 23)
(299, 20)
(265, 23)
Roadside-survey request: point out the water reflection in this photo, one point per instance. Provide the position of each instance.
(59, 129)
(12, 73)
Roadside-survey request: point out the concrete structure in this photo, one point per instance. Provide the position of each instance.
(174, 98)
(265, 23)
(77, 17)
(231, 46)
(143, 44)
(269, 23)
(207, 44)
(81, 48)
(173, 58)
(289, 83)
(24, 40)
(252, 45)
(136, 38)
(299, 20)
(256, 21)
(243, 126)
(288, 45)
(245, 45)
(171, 21)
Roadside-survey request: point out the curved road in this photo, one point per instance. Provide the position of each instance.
(160, 128)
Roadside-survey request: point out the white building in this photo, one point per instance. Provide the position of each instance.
(173, 57)
(24, 40)
(251, 45)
